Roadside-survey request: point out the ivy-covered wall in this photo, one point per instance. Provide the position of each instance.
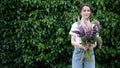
(35, 33)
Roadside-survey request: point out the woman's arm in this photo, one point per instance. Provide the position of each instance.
(73, 42)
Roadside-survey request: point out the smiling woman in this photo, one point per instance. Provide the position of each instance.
(76, 40)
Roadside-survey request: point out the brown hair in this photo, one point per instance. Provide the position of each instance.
(85, 4)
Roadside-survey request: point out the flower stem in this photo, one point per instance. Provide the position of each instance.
(88, 55)
(82, 57)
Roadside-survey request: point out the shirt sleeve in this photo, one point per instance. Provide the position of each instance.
(73, 28)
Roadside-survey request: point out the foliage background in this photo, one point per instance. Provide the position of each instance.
(34, 33)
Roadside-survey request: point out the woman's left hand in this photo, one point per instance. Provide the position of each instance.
(93, 46)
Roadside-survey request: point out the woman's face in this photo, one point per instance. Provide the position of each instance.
(85, 12)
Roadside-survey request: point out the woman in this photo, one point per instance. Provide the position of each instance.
(85, 12)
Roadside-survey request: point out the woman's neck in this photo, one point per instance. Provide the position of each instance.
(85, 19)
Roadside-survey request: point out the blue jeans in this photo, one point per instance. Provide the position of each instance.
(77, 54)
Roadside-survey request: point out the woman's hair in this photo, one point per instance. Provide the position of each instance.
(85, 4)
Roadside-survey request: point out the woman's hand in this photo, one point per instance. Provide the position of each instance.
(84, 47)
(74, 43)
(93, 46)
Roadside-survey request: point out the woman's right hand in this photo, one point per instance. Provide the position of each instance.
(84, 48)
(73, 42)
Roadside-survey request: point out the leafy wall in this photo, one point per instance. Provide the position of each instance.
(34, 33)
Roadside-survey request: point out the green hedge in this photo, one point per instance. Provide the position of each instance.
(34, 33)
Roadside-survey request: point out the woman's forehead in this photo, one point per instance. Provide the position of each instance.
(86, 7)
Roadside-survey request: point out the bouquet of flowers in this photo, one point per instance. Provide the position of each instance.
(88, 39)
(97, 27)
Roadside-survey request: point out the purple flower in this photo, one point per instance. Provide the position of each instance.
(96, 28)
(88, 36)
(80, 32)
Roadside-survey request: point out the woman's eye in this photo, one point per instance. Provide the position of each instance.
(84, 10)
(88, 10)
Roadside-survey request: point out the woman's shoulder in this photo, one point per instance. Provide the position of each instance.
(75, 24)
